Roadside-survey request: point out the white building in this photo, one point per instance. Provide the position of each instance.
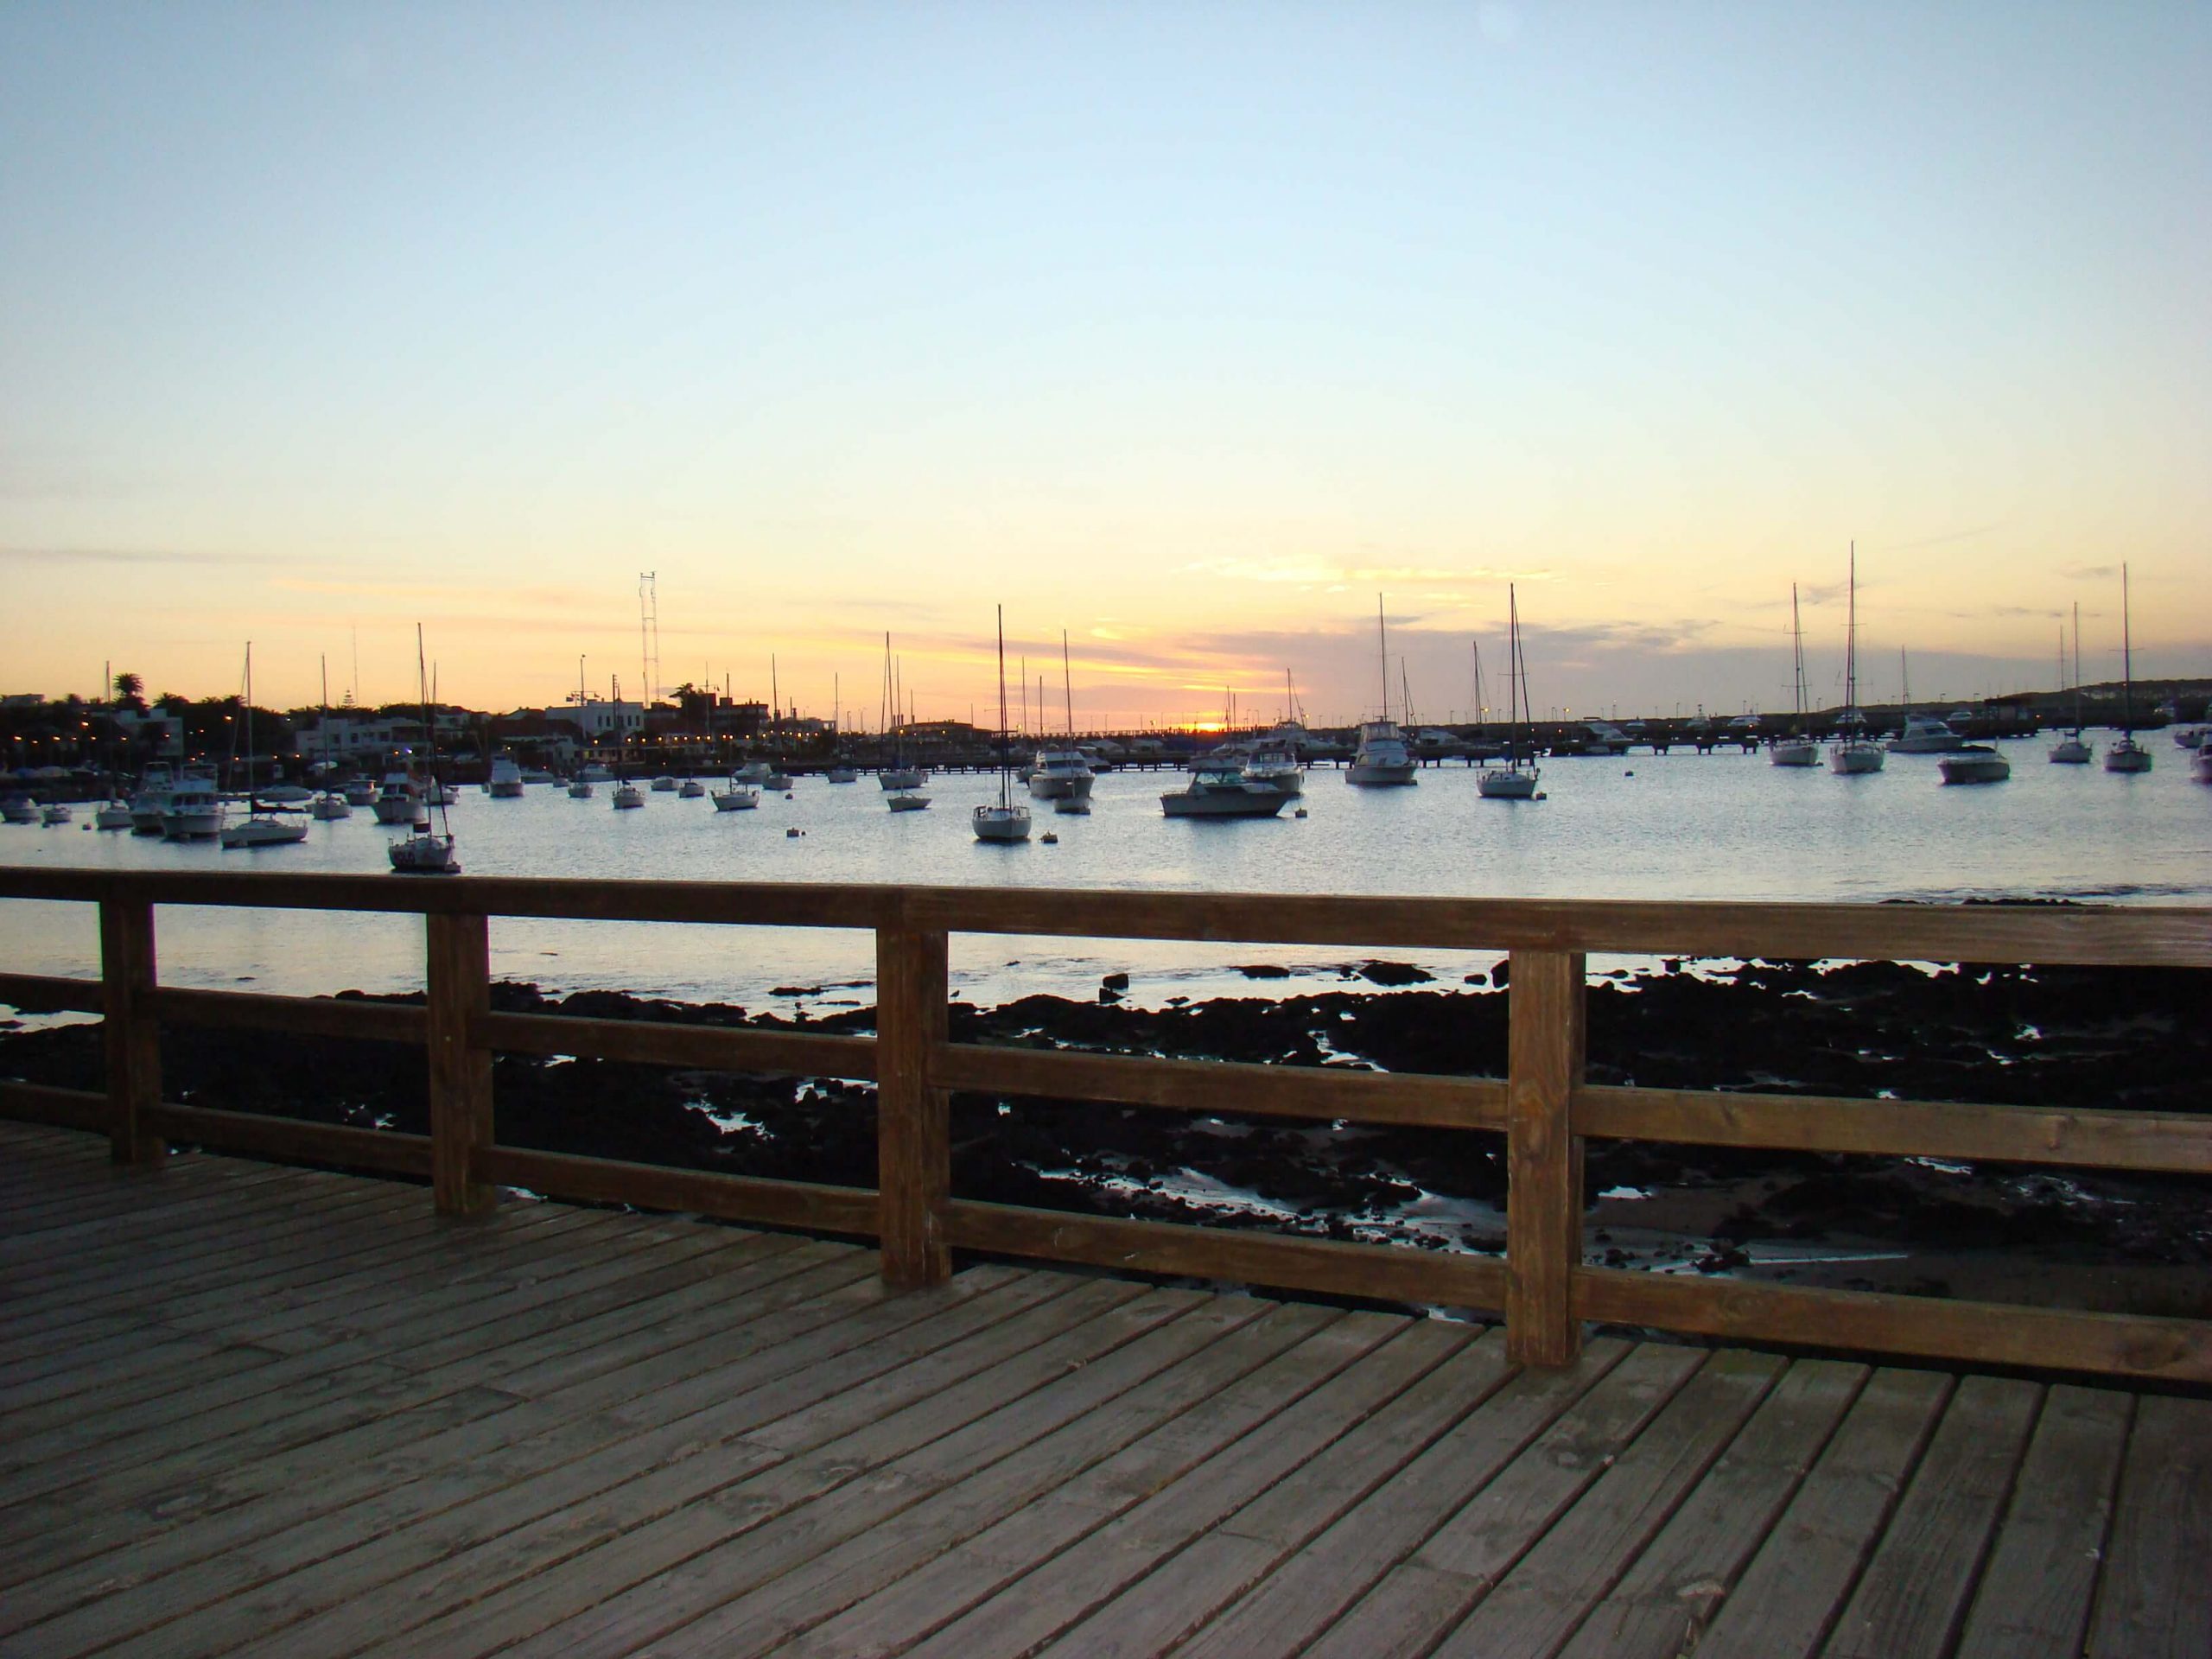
(601, 717)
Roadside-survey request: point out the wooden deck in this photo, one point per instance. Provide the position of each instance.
(252, 1410)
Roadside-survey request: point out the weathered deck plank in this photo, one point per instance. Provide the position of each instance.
(253, 1410)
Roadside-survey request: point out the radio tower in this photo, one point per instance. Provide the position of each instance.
(648, 636)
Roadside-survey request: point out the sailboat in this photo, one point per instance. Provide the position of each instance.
(892, 771)
(423, 853)
(1006, 821)
(1923, 733)
(330, 804)
(2127, 755)
(580, 785)
(261, 828)
(1853, 752)
(2070, 750)
(1060, 773)
(627, 795)
(1514, 781)
(1797, 749)
(1380, 758)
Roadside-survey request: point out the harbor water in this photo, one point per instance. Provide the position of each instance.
(1721, 826)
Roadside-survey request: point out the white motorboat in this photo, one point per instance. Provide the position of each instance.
(628, 796)
(436, 793)
(505, 782)
(2127, 755)
(19, 808)
(1004, 820)
(1853, 754)
(1073, 806)
(1059, 774)
(754, 773)
(115, 815)
(1275, 768)
(1223, 792)
(1061, 771)
(194, 812)
(737, 798)
(1380, 758)
(264, 829)
(149, 806)
(1977, 763)
(359, 791)
(689, 789)
(842, 775)
(2192, 737)
(1516, 779)
(897, 779)
(778, 781)
(580, 788)
(1926, 735)
(2199, 763)
(595, 771)
(1796, 749)
(906, 800)
(397, 799)
(54, 812)
(330, 806)
(663, 785)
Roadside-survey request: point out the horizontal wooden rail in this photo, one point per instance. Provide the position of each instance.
(1983, 1333)
(659, 1042)
(304, 1016)
(817, 1207)
(292, 1138)
(2142, 935)
(1322, 1094)
(1330, 1267)
(65, 1108)
(50, 993)
(1901, 1128)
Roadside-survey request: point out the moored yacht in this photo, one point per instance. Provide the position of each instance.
(1223, 792)
(1058, 774)
(1516, 779)
(195, 811)
(1005, 820)
(1796, 749)
(2127, 755)
(1853, 752)
(737, 798)
(1927, 734)
(1275, 768)
(398, 800)
(505, 782)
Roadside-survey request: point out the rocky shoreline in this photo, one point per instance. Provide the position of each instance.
(2075, 1038)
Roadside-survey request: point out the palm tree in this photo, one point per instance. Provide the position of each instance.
(130, 689)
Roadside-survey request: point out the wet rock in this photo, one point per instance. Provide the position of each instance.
(1394, 973)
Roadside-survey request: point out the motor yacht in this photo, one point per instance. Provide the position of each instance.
(689, 789)
(1275, 768)
(1927, 734)
(737, 798)
(505, 782)
(1223, 792)
(397, 799)
(1058, 774)
(194, 812)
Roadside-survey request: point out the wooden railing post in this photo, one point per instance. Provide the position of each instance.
(912, 1120)
(459, 985)
(1543, 1204)
(131, 1037)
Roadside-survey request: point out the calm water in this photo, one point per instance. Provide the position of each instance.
(1683, 826)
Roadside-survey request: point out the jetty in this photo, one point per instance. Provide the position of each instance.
(290, 1388)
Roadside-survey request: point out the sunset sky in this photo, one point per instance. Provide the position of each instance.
(1186, 328)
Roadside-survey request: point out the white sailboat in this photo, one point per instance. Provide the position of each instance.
(896, 776)
(2127, 755)
(1007, 820)
(1516, 779)
(424, 853)
(261, 828)
(330, 805)
(1853, 752)
(2070, 750)
(580, 785)
(1380, 759)
(1797, 749)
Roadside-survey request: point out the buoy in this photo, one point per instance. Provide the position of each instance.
(793, 831)
(1542, 796)
(787, 794)
(1631, 772)
(1299, 813)
(1049, 839)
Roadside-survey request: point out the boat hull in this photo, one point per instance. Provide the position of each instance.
(1795, 753)
(2127, 755)
(907, 802)
(1255, 803)
(1975, 768)
(897, 779)
(2069, 752)
(1855, 760)
(1378, 775)
(261, 832)
(1059, 786)
(1505, 786)
(737, 800)
(1001, 823)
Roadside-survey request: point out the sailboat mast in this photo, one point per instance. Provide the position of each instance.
(1067, 686)
(2126, 661)
(1382, 647)
(1797, 639)
(1851, 640)
(2077, 668)
(249, 722)
(1003, 801)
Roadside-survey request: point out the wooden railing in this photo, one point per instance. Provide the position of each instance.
(1543, 1107)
